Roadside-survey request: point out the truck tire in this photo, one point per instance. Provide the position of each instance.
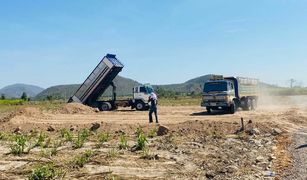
(232, 108)
(254, 104)
(248, 104)
(140, 106)
(105, 106)
(208, 110)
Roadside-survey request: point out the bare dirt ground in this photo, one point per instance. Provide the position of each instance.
(197, 146)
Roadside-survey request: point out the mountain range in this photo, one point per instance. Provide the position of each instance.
(124, 88)
(16, 90)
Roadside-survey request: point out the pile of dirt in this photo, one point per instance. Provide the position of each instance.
(31, 112)
(76, 108)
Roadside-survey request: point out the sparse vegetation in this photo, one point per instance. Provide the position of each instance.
(82, 137)
(41, 140)
(146, 154)
(152, 133)
(19, 144)
(141, 141)
(123, 143)
(102, 138)
(112, 153)
(139, 131)
(82, 159)
(46, 172)
(67, 135)
(54, 149)
(12, 102)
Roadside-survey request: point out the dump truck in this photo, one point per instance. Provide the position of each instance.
(230, 93)
(101, 79)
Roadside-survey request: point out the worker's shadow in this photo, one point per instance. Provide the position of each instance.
(205, 113)
(302, 146)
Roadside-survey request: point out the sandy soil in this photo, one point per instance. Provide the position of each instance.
(200, 137)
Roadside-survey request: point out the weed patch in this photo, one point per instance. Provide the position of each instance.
(44, 172)
(82, 159)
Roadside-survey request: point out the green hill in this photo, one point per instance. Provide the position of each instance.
(125, 85)
(194, 85)
(16, 90)
(124, 88)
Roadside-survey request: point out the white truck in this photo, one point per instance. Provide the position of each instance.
(100, 79)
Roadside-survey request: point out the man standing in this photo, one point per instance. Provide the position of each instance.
(153, 101)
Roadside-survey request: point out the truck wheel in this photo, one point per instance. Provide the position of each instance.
(254, 104)
(208, 110)
(232, 108)
(248, 104)
(105, 106)
(140, 106)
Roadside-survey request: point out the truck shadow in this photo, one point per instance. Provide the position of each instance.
(126, 110)
(214, 113)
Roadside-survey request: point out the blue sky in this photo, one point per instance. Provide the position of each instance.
(160, 41)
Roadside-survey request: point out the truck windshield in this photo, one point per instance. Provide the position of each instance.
(149, 89)
(215, 86)
(146, 89)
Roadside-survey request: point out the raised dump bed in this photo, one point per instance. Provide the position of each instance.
(98, 81)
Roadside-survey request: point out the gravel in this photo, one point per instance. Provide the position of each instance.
(299, 152)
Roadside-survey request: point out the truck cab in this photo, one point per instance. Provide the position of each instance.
(230, 93)
(218, 95)
(141, 95)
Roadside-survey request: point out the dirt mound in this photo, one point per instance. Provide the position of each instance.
(31, 112)
(76, 108)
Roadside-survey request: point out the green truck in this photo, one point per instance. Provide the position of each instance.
(230, 93)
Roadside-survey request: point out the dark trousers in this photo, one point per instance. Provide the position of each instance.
(153, 110)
